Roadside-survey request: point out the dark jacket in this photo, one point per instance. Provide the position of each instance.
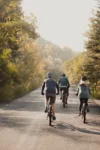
(50, 86)
(63, 82)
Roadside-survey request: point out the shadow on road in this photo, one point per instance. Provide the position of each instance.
(65, 126)
(10, 121)
(24, 123)
(93, 123)
(25, 106)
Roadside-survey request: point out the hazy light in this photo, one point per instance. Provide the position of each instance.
(62, 22)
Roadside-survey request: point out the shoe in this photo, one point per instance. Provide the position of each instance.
(79, 114)
(46, 110)
(54, 118)
(66, 102)
(87, 109)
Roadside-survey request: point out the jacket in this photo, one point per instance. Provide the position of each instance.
(83, 91)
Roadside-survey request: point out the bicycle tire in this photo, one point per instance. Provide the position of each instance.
(63, 98)
(84, 119)
(63, 102)
(50, 115)
(84, 113)
(67, 98)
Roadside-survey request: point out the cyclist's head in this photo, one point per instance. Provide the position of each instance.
(84, 78)
(49, 75)
(63, 75)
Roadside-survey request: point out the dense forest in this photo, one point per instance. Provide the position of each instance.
(25, 57)
(24, 61)
(88, 63)
(21, 66)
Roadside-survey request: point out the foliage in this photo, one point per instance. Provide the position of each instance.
(30, 65)
(74, 68)
(14, 30)
(88, 63)
(54, 56)
(92, 66)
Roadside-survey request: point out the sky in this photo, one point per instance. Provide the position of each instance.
(63, 22)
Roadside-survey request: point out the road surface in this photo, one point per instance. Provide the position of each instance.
(23, 125)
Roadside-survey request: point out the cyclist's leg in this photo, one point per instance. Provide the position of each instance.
(80, 107)
(46, 103)
(53, 98)
(66, 94)
(86, 103)
(68, 91)
(60, 93)
(53, 109)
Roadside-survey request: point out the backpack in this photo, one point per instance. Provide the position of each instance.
(63, 81)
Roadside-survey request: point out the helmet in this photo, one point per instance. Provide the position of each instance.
(49, 74)
(63, 74)
(84, 78)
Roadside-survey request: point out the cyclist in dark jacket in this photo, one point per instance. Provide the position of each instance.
(50, 86)
(64, 85)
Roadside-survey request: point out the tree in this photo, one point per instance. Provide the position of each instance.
(14, 29)
(92, 65)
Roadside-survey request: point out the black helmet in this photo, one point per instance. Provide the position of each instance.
(63, 74)
(49, 74)
(84, 78)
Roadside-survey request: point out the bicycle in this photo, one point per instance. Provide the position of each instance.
(49, 110)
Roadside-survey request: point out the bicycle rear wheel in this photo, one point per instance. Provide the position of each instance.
(50, 115)
(84, 113)
(63, 99)
(63, 102)
(84, 119)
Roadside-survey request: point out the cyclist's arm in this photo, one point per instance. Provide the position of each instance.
(59, 82)
(77, 91)
(89, 90)
(57, 87)
(43, 86)
(68, 83)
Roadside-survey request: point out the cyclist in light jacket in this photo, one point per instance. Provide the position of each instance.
(83, 93)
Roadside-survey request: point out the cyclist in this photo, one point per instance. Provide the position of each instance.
(83, 92)
(64, 85)
(50, 86)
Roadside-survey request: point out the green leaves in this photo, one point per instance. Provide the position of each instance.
(14, 29)
(88, 62)
(92, 67)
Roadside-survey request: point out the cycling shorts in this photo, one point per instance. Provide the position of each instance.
(51, 97)
(65, 89)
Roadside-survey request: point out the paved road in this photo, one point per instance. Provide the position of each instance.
(23, 125)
